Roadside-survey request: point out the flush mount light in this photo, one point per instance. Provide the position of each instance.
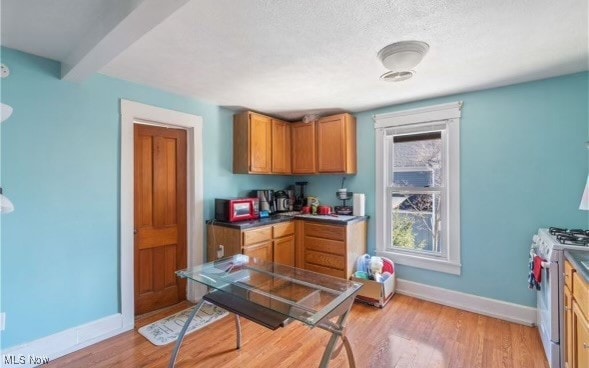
(400, 58)
(396, 76)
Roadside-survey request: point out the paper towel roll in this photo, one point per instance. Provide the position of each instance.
(359, 204)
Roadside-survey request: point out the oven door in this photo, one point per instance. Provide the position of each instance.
(548, 323)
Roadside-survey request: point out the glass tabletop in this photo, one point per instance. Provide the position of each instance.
(300, 294)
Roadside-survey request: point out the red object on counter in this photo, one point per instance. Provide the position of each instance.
(324, 210)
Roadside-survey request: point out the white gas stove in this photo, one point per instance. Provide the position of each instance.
(550, 244)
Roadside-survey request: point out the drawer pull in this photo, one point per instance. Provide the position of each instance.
(568, 308)
(585, 345)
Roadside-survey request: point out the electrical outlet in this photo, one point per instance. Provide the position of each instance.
(220, 251)
(2, 321)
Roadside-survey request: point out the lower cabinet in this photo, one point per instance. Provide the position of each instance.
(581, 338)
(274, 243)
(576, 301)
(260, 251)
(330, 249)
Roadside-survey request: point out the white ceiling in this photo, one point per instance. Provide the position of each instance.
(291, 57)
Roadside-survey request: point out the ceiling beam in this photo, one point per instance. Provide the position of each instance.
(125, 22)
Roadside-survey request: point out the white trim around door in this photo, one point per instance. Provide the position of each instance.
(132, 113)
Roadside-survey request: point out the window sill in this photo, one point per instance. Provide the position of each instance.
(438, 265)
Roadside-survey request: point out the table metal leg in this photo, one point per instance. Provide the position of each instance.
(183, 332)
(337, 331)
(238, 331)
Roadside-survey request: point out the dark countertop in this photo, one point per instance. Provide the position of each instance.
(242, 225)
(578, 258)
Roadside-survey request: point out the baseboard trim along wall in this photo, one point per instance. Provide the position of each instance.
(489, 307)
(51, 347)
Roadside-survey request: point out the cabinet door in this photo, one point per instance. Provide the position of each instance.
(581, 339)
(303, 148)
(261, 251)
(568, 328)
(331, 145)
(281, 161)
(336, 144)
(284, 251)
(260, 137)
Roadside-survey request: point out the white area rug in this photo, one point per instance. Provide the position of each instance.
(166, 330)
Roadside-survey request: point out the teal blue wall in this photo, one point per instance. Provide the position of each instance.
(523, 166)
(60, 167)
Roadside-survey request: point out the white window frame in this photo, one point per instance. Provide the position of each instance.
(448, 114)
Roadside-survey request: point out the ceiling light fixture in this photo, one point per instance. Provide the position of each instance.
(400, 58)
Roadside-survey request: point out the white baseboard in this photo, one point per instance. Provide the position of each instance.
(54, 346)
(489, 307)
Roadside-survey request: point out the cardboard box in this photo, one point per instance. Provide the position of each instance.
(376, 293)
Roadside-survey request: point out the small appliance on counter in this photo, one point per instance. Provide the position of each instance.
(236, 209)
(282, 201)
(266, 200)
(300, 198)
(344, 196)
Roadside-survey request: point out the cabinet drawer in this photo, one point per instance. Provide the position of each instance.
(283, 229)
(326, 270)
(325, 245)
(581, 294)
(325, 259)
(257, 235)
(568, 274)
(325, 231)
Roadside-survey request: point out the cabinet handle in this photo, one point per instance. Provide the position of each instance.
(568, 308)
(585, 345)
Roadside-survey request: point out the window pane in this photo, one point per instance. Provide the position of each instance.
(417, 160)
(416, 221)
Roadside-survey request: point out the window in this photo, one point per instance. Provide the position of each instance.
(417, 175)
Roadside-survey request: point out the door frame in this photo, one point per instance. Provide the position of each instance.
(137, 113)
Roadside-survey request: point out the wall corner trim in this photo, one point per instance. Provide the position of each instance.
(70, 340)
(472, 303)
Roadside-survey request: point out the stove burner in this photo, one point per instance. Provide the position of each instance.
(556, 230)
(570, 237)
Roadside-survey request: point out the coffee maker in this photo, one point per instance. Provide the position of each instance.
(266, 200)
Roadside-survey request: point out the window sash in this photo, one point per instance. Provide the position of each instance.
(442, 229)
(415, 130)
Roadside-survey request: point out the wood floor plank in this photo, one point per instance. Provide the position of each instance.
(407, 332)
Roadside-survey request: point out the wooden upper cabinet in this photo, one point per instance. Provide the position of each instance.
(281, 143)
(336, 144)
(252, 143)
(303, 148)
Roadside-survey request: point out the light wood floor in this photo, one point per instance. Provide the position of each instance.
(406, 333)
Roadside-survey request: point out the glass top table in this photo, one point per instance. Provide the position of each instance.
(272, 295)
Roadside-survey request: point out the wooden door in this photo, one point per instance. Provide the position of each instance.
(281, 162)
(303, 148)
(284, 250)
(260, 133)
(160, 216)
